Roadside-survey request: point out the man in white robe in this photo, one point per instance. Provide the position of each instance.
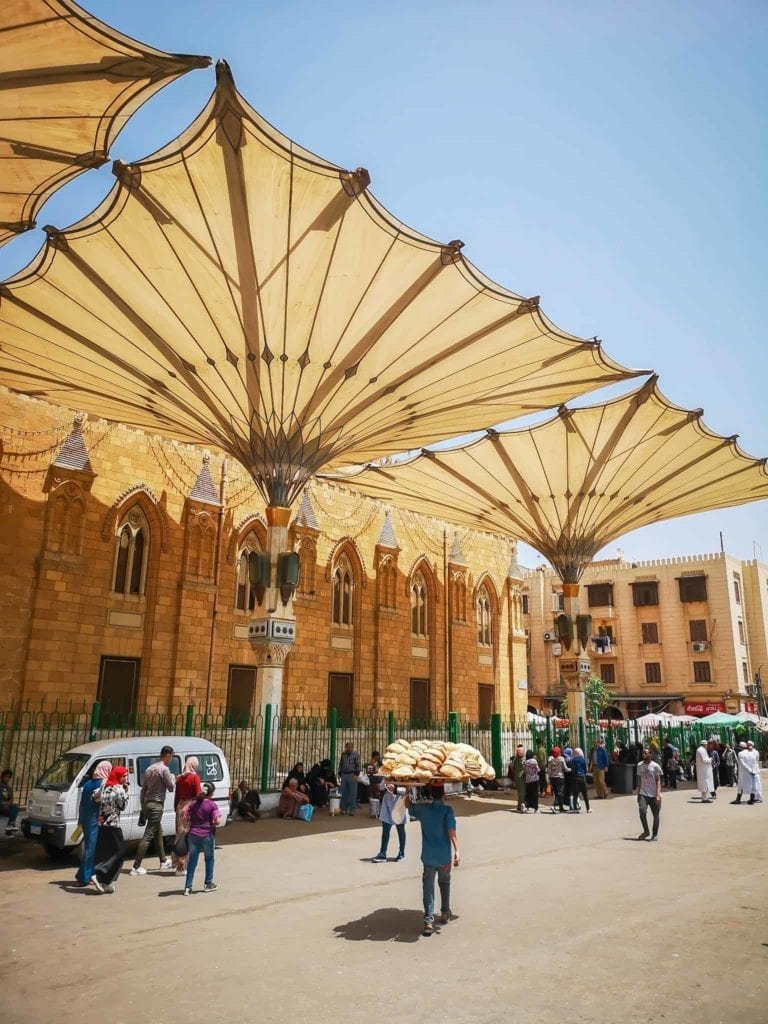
(754, 762)
(746, 769)
(705, 782)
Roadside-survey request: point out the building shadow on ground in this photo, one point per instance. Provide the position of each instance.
(389, 924)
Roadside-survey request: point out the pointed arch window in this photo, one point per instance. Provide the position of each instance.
(132, 554)
(419, 623)
(245, 598)
(342, 587)
(483, 606)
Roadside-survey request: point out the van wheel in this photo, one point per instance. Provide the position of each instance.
(56, 853)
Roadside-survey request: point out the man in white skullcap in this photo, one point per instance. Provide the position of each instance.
(746, 784)
(705, 782)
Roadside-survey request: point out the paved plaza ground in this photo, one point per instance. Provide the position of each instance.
(558, 918)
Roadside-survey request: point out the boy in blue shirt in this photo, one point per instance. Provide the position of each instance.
(438, 849)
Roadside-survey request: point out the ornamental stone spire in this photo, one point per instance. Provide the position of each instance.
(205, 489)
(387, 538)
(73, 454)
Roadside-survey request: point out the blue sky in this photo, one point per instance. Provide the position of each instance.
(610, 157)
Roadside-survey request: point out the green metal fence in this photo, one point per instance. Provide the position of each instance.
(264, 749)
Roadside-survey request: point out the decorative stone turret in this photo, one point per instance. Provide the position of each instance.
(387, 538)
(205, 489)
(73, 453)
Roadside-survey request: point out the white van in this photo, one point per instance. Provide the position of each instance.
(54, 802)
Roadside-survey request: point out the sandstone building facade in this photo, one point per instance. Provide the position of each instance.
(126, 580)
(683, 634)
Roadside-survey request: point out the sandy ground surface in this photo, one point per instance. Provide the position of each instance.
(557, 918)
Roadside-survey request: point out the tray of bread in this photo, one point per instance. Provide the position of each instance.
(423, 761)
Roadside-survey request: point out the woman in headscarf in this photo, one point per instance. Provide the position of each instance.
(202, 813)
(88, 818)
(291, 799)
(579, 780)
(532, 770)
(110, 847)
(321, 782)
(298, 773)
(556, 774)
(188, 788)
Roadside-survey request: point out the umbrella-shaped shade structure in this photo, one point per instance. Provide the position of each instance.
(68, 84)
(236, 290)
(570, 485)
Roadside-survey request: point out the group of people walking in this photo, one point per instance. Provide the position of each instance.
(564, 771)
(103, 799)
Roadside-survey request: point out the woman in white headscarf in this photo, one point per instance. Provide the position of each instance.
(188, 786)
(705, 782)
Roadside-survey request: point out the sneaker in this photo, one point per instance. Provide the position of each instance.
(642, 836)
(210, 887)
(400, 856)
(428, 929)
(378, 859)
(12, 830)
(653, 839)
(444, 918)
(138, 871)
(167, 865)
(96, 884)
(187, 891)
(109, 889)
(736, 801)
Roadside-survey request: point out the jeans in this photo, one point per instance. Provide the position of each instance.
(90, 836)
(348, 792)
(153, 812)
(644, 804)
(386, 828)
(198, 845)
(12, 810)
(557, 791)
(443, 875)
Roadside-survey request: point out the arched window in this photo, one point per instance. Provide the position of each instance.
(245, 598)
(132, 553)
(483, 606)
(418, 606)
(342, 585)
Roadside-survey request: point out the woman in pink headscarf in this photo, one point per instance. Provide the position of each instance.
(188, 786)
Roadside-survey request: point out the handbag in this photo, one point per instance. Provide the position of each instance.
(181, 845)
(305, 812)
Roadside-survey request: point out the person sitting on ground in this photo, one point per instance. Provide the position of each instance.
(246, 801)
(321, 782)
(298, 773)
(291, 799)
(7, 806)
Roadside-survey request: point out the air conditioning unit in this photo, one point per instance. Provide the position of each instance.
(699, 646)
(549, 636)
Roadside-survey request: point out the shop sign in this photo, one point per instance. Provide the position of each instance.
(703, 707)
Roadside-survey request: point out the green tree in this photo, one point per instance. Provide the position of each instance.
(597, 696)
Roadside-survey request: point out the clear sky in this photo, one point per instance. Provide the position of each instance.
(610, 157)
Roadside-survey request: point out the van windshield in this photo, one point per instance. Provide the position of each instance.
(62, 773)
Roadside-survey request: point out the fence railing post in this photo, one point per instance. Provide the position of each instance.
(496, 744)
(390, 727)
(95, 720)
(188, 720)
(582, 734)
(333, 723)
(266, 748)
(454, 727)
(549, 734)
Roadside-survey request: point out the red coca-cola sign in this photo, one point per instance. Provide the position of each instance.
(703, 707)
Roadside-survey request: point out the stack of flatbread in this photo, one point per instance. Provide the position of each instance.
(423, 760)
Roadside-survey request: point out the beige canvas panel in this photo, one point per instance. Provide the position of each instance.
(237, 290)
(57, 119)
(574, 483)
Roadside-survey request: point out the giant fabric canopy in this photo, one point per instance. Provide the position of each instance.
(236, 290)
(68, 84)
(570, 485)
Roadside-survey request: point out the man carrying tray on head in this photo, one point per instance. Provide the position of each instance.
(438, 850)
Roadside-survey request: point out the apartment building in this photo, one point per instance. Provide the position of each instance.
(680, 634)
